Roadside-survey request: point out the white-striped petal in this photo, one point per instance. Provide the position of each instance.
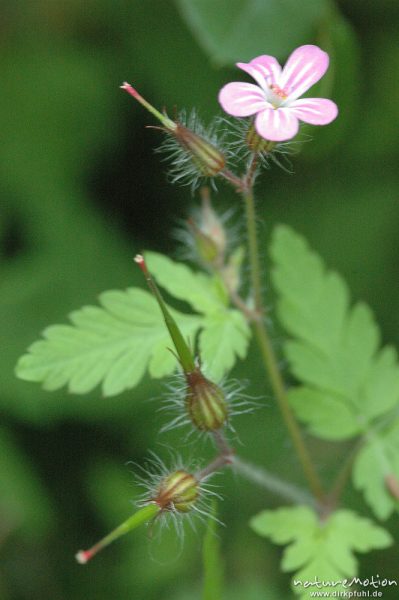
(316, 111)
(276, 124)
(264, 69)
(242, 99)
(306, 65)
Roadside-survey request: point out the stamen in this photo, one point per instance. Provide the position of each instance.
(278, 91)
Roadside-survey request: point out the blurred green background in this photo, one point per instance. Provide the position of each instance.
(81, 192)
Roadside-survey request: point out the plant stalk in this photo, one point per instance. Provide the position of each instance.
(267, 351)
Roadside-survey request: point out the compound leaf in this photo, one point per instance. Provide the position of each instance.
(376, 465)
(225, 336)
(196, 288)
(117, 342)
(334, 349)
(322, 550)
(112, 344)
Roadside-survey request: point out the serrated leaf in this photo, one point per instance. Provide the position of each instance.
(323, 550)
(113, 344)
(334, 348)
(233, 30)
(376, 461)
(315, 407)
(196, 288)
(116, 343)
(225, 336)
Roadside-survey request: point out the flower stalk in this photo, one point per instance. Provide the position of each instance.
(143, 515)
(205, 401)
(185, 356)
(268, 355)
(166, 122)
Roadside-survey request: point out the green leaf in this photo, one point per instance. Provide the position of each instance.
(322, 550)
(116, 343)
(225, 336)
(113, 344)
(196, 288)
(212, 561)
(376, 461)
(334, 352)
(225, 332)
(233, 30)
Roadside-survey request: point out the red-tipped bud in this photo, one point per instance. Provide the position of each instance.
(208, 159)
(177, 491)
(143, 515)
(256, 143)
(206, 402)
(183, 351)
(164, 119)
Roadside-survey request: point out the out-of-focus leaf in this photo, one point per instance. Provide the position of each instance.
(239, 30)
(341, 83)
(334, 350)
(320, 550)
(376, 462)
(24, 504)
(225, 338)
(374, 135)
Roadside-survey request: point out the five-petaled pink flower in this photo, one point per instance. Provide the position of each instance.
(275, 100)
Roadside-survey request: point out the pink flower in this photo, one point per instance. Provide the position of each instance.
(274, 100)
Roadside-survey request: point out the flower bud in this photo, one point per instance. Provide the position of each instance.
(256, 143)
(206, 402)
(205, 247)
(392, 485)
(177, 491)
(208, 159)
(143, 515)
(232, 270)
(208, 233)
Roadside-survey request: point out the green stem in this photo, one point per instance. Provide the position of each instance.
(270, 482)
(255, 273)
(268, 355)
(143, 515)
(184, 353)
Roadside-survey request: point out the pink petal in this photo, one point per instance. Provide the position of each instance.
(276, 124)
(316, 111)
(264, 69)
(305, 66)
(242, 99)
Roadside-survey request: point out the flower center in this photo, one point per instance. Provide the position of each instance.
(277, 95)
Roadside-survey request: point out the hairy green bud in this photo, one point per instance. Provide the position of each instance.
(206, 402)
(208, 159)
(177, 491)
(256, 143)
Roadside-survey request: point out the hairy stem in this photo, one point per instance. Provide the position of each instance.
(258, 475)
(267, 351)
(272, 483)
